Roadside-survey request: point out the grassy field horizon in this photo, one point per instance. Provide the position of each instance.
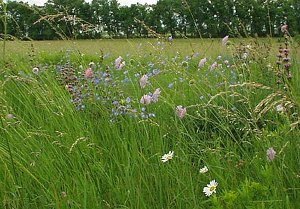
(124, 46)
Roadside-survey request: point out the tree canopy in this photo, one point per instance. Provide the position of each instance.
(70, 19)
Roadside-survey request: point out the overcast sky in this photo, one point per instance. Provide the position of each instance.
(122, 2)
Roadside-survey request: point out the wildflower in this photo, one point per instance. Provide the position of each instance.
(180, 111)
(151, 114)
(244, 56)
(289, 77)
(286, 52)
(156, 71)
(271, 154)
(171, 85)
(213, 66)
(64, 194)
(287, 66)
(155, 95)
(204, 169)
(35, 70)
(118, 62)
(284, 28)
(128, 100)
(280, 108)
(146, 99)
(225, 40)
(210, 188)
(286, 59)
(122, 65)
(89, 73)
(143, 81)
(170, 39)
(168, 156)
(10, 116)
(202, 63)
(92, 65)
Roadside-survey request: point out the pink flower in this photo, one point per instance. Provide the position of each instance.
(156, 95)
(180, 111)
(284, 28)
(146, 99)
(10, 116)
(202, 63)
(89, 73)
(271, 154)
(225, 40)
(213, 66)
(143, 81)
(119, 63)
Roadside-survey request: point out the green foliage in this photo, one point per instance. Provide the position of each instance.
(59, 19)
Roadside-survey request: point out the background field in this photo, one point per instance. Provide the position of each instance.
(116, 47)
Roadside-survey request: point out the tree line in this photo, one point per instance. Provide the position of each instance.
(77, 19)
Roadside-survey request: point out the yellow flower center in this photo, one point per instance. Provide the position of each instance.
(212, 188)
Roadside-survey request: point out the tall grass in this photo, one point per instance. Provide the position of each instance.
(60, 152)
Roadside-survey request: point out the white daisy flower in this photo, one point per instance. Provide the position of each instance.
(35, 70)
(167, 156)
(210, 188)
(204, 169)
(280, 108)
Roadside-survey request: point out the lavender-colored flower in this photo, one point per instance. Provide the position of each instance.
(89, 73)
(180, 111)
(279, 55)
(155, 95)
(287, 66)
(286, 52)
(156, 71)
(143, 81)
(118, 62)
(202, 63)
(121, 66)
(146, 99)
(271, 154)
(128, 100)
(213, 66)
(225, 40)
(10, 116)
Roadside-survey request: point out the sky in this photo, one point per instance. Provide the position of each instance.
(122, 2)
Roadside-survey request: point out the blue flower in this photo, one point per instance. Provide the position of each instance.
(171, 85)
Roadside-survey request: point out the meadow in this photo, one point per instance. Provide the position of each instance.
(150, 123)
